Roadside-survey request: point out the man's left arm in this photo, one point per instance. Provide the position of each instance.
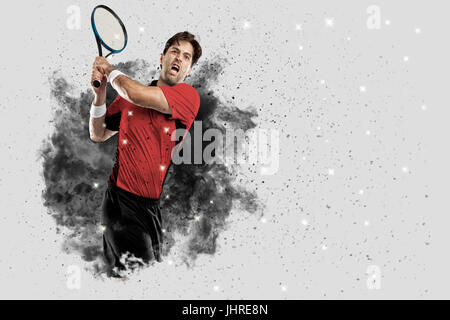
(144, 96)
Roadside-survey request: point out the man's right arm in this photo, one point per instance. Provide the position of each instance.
(97, 126)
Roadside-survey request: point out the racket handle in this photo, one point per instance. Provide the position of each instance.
(96, 83)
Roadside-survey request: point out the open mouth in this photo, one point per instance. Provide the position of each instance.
(174, 69)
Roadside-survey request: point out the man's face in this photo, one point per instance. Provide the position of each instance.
(180, 55)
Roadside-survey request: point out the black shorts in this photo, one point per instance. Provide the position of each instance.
(133, 228)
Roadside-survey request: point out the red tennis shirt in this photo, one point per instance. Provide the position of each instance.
(144, 146)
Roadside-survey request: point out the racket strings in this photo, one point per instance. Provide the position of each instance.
(109, 29)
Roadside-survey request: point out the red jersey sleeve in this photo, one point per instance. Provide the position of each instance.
(184, 102)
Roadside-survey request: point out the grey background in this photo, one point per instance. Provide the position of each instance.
(399, 222)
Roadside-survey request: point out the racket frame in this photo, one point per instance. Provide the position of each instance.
(100, 41)
(97, 36)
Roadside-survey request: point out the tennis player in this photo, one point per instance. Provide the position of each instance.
(145, 117)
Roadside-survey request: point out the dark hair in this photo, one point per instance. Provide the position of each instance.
(187, 36)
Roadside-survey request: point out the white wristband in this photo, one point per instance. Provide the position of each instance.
(98, 111)
(114, 75)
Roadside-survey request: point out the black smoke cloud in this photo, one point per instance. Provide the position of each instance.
(76, 170)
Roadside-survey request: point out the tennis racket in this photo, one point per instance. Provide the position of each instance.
(109, 32)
